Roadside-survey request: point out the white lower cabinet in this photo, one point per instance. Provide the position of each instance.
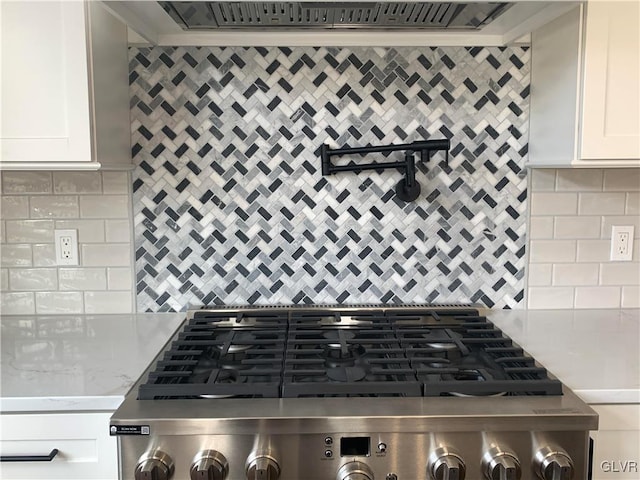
(616, 453)
(85, 449)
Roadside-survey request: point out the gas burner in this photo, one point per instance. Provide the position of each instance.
(226, 375)
(467, 395)
(472, 375)
(468, 375)
(346, 364)
(431, 362)
(339, 337)
(442, 340)
(420, 334)
(235, 348)
(203, 368)
(238, 341)
(324, 319)
(347, 373)
(337, 355)
(206, 367)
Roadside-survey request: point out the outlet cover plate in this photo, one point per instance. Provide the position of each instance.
(66, 246)
(622, 243)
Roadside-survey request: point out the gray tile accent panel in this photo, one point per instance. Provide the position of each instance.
(230, 205)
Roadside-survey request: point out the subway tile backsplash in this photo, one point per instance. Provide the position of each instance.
(230, 205)
(96, 204)
(17, 183)
(569, 246)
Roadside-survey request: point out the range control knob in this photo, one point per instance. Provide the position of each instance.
(209, 465)
(445, 464)
(155, 465)
(262, 467)
(501, 465)
(355, 471)
(553, 464)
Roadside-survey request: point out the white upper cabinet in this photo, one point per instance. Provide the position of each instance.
(611, 89)
(65, 101)
(585, 94)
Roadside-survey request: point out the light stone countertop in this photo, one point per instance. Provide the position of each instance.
(77, 362)
(596, 353)
(88, 363)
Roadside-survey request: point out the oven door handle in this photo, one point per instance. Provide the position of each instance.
(30, 458)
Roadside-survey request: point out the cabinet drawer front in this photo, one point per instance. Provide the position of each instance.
(86, 451)
(616, 454)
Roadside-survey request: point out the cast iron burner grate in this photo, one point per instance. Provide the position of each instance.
(343, 352)
(347, 362)
(221, 356)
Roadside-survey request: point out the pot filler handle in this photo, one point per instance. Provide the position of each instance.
(408, 189)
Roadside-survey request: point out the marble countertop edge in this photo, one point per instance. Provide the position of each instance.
(70, 404)
(609, 396)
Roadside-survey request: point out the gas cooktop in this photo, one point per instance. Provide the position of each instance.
(280, 352)
(346, 393)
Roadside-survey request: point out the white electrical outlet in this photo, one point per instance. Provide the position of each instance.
(66, 243)
(622, 243)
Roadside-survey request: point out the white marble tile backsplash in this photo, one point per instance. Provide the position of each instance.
(97, 204)
(107, 302)
(59, 302)
(29, 231)
(54, 206)
(14, 207)
(115, 182)
(631, 296)
(577, 227)
(571, 214)
(33, 279)
(82, 278)
(16, 256)
(77, 182)
(4, 279)
(17, 303)
(26, 183)
(106, 255)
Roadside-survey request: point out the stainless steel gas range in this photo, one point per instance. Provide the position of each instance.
(349, 393)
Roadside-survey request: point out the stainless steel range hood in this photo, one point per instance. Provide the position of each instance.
(335, 22)
(326, 15)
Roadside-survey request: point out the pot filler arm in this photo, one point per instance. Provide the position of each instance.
(408, 189)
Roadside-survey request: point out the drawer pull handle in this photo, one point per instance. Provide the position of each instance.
(29, 458)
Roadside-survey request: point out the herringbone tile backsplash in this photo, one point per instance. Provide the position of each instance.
(231, 207)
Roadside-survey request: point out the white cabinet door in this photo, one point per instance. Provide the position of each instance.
(64, 87)
(45, 86)
(611, 88)
(616, 453)
(86, 451)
